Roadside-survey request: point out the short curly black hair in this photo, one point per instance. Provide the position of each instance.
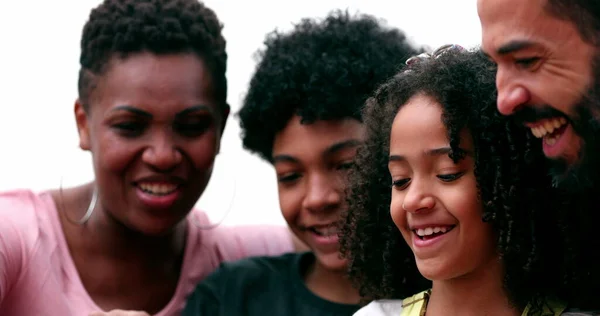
(321, 70)
(510, 169)
(119, 28)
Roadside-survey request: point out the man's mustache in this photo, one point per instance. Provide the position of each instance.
(534, 113)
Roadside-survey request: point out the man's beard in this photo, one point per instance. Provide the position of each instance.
(583, 175)
(579, 208)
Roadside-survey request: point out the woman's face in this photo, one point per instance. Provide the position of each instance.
(153, 127)
(435, 202)
(311, 162)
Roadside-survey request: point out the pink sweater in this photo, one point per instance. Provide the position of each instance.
(38, 276)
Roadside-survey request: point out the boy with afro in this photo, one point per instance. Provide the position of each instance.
(302, 114)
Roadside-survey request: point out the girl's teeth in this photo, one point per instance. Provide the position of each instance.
(431, 230)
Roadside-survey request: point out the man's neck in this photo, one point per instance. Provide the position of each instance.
(479, 293)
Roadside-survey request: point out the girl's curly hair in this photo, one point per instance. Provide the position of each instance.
(513, 182)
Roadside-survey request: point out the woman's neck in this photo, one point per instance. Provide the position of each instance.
(331, 285)
(478, 293)
(115, 239)
(116, 263)
(105, 235)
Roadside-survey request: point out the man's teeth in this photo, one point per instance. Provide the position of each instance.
(326, 230)
(421, 232)
(158, 189)
(547, 127)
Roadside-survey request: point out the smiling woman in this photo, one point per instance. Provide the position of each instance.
(156, 130)
(151, 110)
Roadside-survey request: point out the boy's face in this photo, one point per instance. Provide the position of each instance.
(311, 162)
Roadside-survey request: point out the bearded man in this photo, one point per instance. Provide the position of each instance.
(548, 78)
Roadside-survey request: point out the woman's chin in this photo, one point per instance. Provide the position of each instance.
(154, 226)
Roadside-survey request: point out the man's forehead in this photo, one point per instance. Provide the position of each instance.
(509, 21)
(488, 9)
(496, 10)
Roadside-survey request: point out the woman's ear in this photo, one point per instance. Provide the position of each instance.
(81, 118)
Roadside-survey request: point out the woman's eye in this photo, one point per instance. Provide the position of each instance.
(193, 128)
(129, 128)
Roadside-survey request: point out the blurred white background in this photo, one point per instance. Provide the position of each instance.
(38, 76)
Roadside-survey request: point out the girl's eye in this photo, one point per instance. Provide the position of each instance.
(450, 177)
(400, 184)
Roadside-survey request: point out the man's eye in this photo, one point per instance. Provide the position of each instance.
(526, 62)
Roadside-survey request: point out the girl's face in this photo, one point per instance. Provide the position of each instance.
(435, 202)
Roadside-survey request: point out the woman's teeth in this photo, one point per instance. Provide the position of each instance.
(158, 189)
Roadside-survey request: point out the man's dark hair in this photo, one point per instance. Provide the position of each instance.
(119, 28)
(585, 14)
(321, 70)
(510, 169)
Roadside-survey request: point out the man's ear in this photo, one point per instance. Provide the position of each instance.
(83, 128)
